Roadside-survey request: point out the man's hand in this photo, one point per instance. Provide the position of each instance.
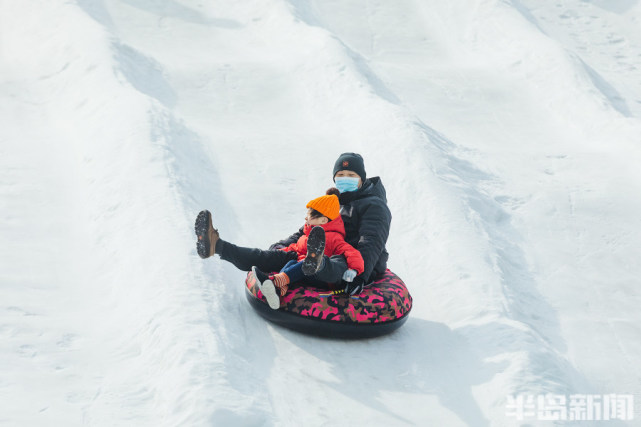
(349, 275)
(354, 287)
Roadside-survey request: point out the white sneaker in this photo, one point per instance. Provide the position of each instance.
(267, 287)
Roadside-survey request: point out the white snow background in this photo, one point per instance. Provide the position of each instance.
(507, 134)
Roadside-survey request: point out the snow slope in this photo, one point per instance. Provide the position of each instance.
(507, 136)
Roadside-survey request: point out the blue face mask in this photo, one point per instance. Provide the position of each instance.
(345, 184)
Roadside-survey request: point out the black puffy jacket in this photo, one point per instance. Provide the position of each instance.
(367, 223)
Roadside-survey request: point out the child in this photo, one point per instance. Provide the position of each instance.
(324, 233)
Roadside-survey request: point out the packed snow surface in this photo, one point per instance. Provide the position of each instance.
(506, 132)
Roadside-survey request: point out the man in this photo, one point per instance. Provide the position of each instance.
(367, 223)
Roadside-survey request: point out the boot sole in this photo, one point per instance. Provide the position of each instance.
(269, 291)
(315, 251)
(201, 227)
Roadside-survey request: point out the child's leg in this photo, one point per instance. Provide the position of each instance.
(292, 272)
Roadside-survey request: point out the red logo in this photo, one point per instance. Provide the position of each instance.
(345, 163)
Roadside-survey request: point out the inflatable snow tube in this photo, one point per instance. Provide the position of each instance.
(382, 307)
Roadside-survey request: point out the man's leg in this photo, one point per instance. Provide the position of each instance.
(245, 258)
(332, 269)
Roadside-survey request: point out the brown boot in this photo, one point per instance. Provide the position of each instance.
(207, 235)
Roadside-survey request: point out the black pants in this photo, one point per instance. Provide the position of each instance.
(245, 258)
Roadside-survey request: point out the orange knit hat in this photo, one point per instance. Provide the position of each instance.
(327, 205)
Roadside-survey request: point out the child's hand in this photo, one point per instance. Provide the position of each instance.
(349, 275)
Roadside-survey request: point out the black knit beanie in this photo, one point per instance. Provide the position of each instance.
(350, 162)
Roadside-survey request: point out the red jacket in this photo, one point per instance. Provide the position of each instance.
(335, 244)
